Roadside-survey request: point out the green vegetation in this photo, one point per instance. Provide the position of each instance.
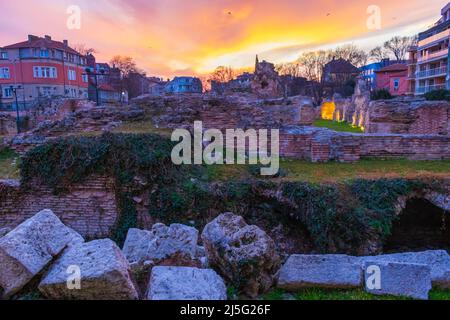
(300, 170)
(9, 164)
(337, 126)
(345, 215)
(348, 294)
(381, 94)
(142, 127)
(437, 95)
(123, 157)
(440, 294)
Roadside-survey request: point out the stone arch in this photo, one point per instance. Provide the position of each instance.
(422, 224)
(327, 110)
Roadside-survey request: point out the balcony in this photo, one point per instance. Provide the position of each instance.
(434, 55)
(442, 71)
(425, 89)
(437, 37)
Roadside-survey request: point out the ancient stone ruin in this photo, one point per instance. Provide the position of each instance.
(42, 249)
(266, 81)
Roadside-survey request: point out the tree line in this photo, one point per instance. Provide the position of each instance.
(310, 64)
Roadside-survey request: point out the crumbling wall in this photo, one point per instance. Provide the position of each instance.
(8, 124)
(89, 208)
(322, 145)
(266, 81)
(54, 109)
(226, 112)
(408, 117)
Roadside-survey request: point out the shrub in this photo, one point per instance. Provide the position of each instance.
(436, 95)
(64, 162)
(381, 94)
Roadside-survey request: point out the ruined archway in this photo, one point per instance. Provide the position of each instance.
(421, 226)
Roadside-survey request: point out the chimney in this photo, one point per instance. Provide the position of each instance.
(31, 37)
(47, 37)
(66, 43)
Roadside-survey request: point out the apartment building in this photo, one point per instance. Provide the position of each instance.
(431, 57)
(41, 67)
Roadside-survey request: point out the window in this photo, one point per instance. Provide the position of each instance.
(72, 75)
(4, 73)
(85, 78)
(45, 72)
(396, 84)
(7, 93)
(4, 55)
(44, 53)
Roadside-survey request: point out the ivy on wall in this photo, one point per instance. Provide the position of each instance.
(339, 217)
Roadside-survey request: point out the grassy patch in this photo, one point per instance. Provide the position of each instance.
(9, 164)
(337, 126)
(440, 294)
(336, 294)
(140, 127)
(299, 170)
(340, 294)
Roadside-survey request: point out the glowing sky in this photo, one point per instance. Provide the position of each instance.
(180, 37)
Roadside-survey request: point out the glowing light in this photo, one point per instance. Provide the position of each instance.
(328, 110)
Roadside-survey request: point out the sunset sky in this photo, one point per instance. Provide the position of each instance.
(174, 37)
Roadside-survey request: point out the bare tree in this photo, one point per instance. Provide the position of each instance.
(222, 74)
(351, 53)
(289, 69)
(378, 54)
(125, 64)
(398, 46)
(312, 64)
(83, 49)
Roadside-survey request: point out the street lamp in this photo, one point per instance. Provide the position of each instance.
(14, 90)
(95, 74)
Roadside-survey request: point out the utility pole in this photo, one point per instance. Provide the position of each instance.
(14, 90)
(95, 74)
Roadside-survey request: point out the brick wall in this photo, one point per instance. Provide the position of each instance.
(321, 145)
(89, 208)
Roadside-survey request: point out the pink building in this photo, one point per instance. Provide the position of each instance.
(393, 78)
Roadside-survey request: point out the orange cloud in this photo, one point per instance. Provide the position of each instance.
(173, 37)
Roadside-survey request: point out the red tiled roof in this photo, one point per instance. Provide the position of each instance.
(340, 66)
(106, 87)
(42, 43)
(394, 67)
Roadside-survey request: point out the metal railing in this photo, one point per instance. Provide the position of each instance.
(437, 54)
(431, 72)
(425, 89)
